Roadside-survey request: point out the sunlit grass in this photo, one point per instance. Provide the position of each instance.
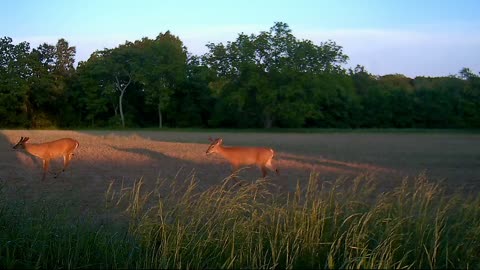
(342, 224)
(323, 225)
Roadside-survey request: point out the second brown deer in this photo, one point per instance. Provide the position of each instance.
(243, 156)
(50, 150)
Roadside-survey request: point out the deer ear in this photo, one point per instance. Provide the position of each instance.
(26, 139)
(219, 140)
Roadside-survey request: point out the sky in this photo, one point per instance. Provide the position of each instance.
(409, 37)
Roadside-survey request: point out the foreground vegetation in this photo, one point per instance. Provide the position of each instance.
(341, 224)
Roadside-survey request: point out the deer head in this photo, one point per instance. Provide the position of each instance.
(213, 145)
(21, 143)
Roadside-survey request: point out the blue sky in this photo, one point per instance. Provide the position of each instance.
(414, 38)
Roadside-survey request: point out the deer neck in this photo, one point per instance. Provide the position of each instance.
(222, 150)
(33, 149)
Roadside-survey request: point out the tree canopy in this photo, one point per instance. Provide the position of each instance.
(264, 80)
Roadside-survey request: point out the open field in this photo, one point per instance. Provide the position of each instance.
(353, 222)
(125, 156)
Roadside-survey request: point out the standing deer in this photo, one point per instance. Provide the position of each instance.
(238, 156)
(48, 150)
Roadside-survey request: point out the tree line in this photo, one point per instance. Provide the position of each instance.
(270, 79)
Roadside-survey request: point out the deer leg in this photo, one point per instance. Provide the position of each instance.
(66, 161)
(46, 163)
(264, 171)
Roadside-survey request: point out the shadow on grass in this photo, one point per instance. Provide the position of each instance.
(103, 157)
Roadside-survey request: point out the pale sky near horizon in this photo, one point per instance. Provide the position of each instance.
(410, 37)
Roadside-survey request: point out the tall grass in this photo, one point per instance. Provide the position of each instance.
(48, 235)
(342, 224)
(322, 225)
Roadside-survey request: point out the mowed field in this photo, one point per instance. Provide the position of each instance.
(126, 156)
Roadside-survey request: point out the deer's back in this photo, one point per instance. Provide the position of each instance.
(248, 155)
(54, 148)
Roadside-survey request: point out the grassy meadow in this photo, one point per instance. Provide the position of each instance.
(147, 199)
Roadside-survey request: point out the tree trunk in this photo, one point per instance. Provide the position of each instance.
(267, 120)
(159, 116)
(115, 109)
(121, 107)
(122, 88)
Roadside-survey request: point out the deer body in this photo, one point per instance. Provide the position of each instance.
(244, 156)
(50, 150)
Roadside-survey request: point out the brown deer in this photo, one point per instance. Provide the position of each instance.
(238, 156)
(50, 150)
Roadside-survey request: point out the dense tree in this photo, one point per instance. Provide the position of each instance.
(15, 74)
(258, 75)
(470, 98)
(94, 91)
(191, 104)
(162, 69)
(114, 70)
(269, 79)
(52, 70)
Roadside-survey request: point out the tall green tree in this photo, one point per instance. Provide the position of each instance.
(398, 89)
(93, 91)
(15, 75)
(192, 102)
(260, 73)
(470, 97)
(43, 92)
(162, 70)
(52, 69)
(116, 69)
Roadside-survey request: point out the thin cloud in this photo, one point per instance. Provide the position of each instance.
(412, 53)
(381, 51)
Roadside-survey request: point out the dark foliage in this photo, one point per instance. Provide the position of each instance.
(258, 81)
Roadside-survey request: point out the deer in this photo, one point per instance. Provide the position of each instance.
(50, 150)
(238, 155)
